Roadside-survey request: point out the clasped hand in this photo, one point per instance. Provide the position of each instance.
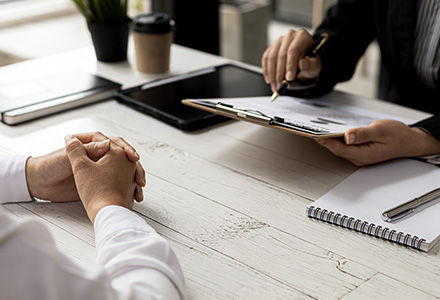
(93, 168)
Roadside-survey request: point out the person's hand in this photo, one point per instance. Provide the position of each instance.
(380, 141)
(129, 150)
(49, 177)
(107, 181)
(281, 60)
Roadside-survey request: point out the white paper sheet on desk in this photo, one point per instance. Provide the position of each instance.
(331, 117)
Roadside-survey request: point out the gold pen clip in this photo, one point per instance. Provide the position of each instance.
(324, 39)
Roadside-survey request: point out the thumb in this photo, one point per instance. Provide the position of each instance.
(310, 67)
(75, 150)
(361, 135)
(96, 150)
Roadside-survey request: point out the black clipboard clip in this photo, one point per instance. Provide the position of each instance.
(249, 114)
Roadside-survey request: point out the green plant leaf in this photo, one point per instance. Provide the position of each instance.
(83, 9)
(103, 11)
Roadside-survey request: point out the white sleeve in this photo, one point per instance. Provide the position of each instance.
(133, 262)
(140, 263)
(13, 184)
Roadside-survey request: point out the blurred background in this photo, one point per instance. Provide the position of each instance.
(237, 29)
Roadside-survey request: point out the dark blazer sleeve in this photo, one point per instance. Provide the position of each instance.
(432, 125)
(351, 27)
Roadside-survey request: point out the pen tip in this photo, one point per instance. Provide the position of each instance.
(274, 96)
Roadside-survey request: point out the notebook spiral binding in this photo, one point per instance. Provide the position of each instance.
(365, 227)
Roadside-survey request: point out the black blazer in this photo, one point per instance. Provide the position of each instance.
(352, 26)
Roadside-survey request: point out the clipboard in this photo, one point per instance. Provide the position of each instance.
(312, 118)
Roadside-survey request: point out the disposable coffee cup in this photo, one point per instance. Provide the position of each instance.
(153, 35)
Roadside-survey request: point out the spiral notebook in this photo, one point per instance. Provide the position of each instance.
(357, 202)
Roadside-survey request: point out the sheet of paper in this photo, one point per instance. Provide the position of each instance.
(321, 114)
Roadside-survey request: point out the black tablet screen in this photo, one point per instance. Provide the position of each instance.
(164, 101)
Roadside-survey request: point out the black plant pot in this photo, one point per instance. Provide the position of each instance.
(110, 41)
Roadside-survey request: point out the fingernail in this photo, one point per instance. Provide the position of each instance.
(350, 138)
(103, 144)
(266, 79)
(69, 138)
(141, 194)
(136, 154)
(289, 75)
(145, 181)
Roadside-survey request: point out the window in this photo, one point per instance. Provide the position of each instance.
(301, 12)
(13, 12)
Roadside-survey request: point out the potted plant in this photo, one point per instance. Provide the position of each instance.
(109, 26)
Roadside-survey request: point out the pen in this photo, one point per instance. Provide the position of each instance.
(409, 207)
(311, 53)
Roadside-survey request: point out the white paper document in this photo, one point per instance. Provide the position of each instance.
(321, 116)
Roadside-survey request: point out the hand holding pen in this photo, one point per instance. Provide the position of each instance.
(290, 55)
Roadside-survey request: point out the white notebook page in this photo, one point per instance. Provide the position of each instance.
(373, 189)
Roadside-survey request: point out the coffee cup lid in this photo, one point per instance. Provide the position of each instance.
(155, 22)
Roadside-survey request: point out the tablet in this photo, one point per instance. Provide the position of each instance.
(162, 98)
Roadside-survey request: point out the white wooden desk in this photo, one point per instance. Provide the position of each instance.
(230, 199)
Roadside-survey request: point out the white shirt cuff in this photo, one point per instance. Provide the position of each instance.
(13, 185)
(114, 218)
